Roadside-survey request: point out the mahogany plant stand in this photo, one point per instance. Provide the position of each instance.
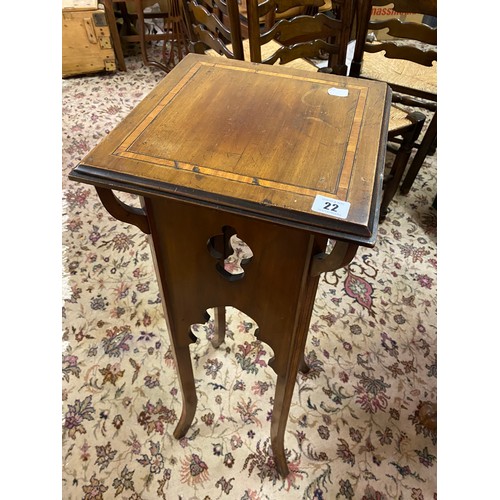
(282, 158)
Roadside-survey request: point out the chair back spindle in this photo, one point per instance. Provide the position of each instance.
(214, 24)
(311, 34)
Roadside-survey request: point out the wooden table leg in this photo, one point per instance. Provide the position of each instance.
(220, 326)
(188, 390)
(277, 290)
(287, 375)
(425, 146)
(427, 415)
(190, 244)
(303, 366)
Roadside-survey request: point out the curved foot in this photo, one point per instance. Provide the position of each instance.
(428, 415)
(188, 390)
(220, 326)
(189, 402)
(303, 366)
(185, 421)
(282, 466)
(278, 454)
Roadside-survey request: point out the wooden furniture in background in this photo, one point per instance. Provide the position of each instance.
(123, 26)
(407, 60)
(214, 32)
(131, 29)
(282, 32)
(301, 36)
(86, 39)
(287, 41)
(404, 130)
(214, 25)
(284, 159)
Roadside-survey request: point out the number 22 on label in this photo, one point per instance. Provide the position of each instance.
(331, 207)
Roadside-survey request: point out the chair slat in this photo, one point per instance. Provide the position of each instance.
(407, 30)
(214, 24)
(407, 53)
(310, 34)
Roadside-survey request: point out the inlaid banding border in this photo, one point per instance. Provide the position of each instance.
(124, 150)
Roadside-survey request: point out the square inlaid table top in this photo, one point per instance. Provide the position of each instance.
(302, 149)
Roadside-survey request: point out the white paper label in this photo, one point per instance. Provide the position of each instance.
(330, 206)
(338, 92)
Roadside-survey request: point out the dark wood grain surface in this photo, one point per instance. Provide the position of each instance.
(256, 139)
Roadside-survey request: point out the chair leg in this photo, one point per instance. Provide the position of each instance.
(425, 148)
(142, 38)
(398, 167)
(115, 36)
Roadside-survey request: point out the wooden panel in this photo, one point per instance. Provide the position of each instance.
(86, 43)
(254, 138)
(253, 150)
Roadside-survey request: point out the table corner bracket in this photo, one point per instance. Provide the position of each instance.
(123, 212)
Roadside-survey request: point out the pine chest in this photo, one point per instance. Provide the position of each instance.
(86, 41)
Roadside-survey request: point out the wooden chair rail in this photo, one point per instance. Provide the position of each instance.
(309, 34)
(285, 30)
(206, 38)
(214, 24)
(408, 30)
(425, 58)
(305, 50)
(417, 103)
(284, 5)
(201, 14)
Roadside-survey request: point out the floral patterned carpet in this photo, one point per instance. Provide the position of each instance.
(354, 430)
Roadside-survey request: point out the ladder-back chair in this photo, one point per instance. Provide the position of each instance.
(311, 34)
(406, 58)
(214, 25)
(130, 27)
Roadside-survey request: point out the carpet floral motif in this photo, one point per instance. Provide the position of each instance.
(354, 430)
